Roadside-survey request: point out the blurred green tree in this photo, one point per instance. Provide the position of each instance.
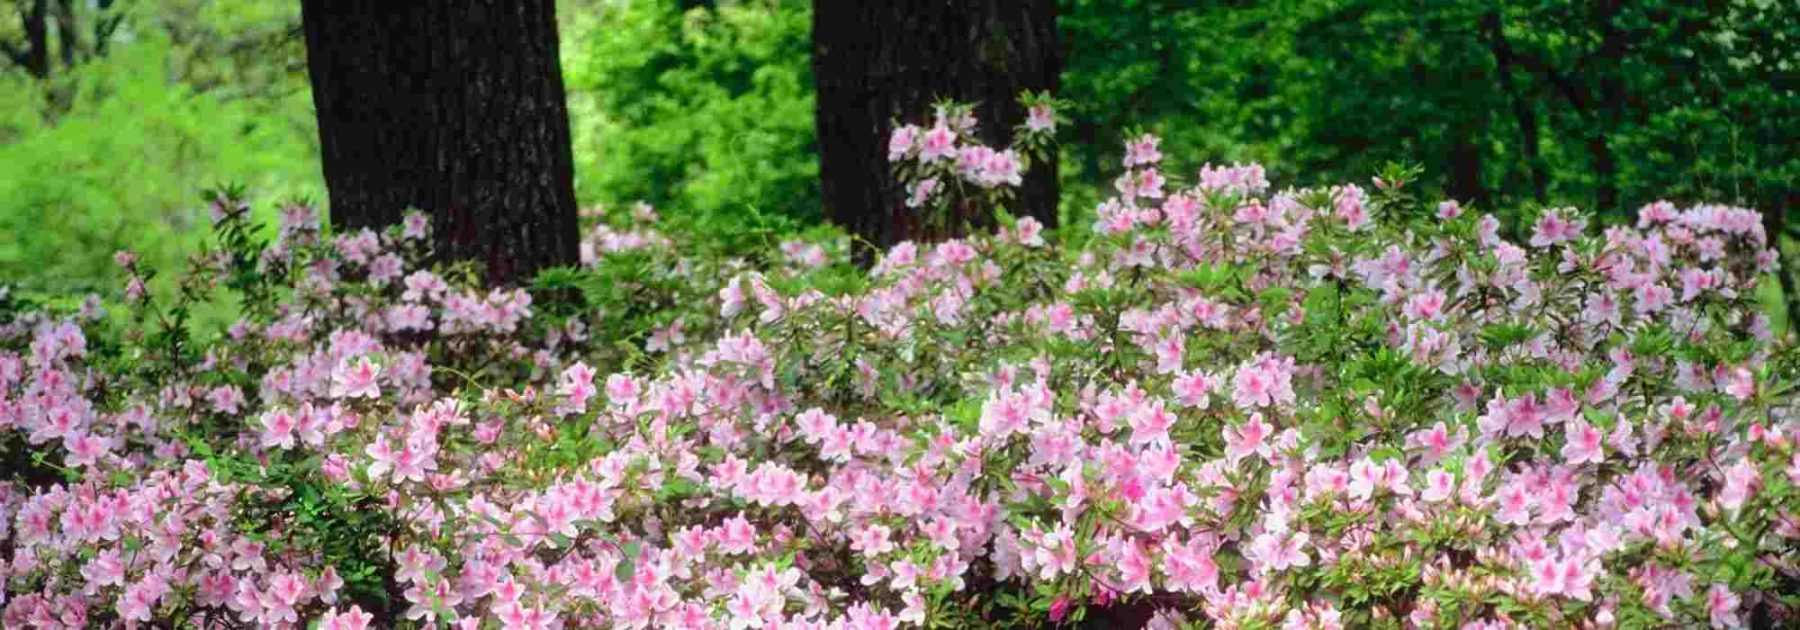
(162, 101)
(703, 110)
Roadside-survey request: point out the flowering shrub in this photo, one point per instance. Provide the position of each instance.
(1310, 408)
(954, 179)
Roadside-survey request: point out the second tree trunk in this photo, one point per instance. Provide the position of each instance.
(878, 62)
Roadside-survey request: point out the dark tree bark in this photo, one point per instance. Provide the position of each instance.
(1609, 61)
(1606, 179)
(876, 63)
(455, 108)
(1465, 167)
(1524, 111)
(37, 38)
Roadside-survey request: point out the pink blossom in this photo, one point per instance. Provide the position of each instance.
(1030, 232)
(1581, 444)
(871, 540)
(415, 226)
(1552, 229)
(1263, 383)
(139, 601)
(621, 390)
(1277, 551)
(356, 379)
(1721, 607)
(1439, 486)
(1040, 118)
(577, 386)
(1142, 151)
(1194, 389)
(939, 143)
(1741, 481)
(277, 429)
(1241, 179)
(901, 142)
(1000, 167)
(1150, 424)
(86, 450)
(1247, 439)
(1349, 202)
(919, 193)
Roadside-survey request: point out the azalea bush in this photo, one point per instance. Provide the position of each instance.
(1226, 405)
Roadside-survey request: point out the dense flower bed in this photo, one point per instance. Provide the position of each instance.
(1311, 408)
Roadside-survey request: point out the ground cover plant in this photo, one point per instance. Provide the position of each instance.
(1218, 404)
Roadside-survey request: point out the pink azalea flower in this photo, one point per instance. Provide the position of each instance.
(577, 386)
(1150, 424)
(277, 429)
(1722, 606)
(939, 143)
(1582, 444)
(358, 379)
(1247, 439)
(1030, 232)
(1040, 118)
(1439, 486)
(1552, 229)
(1142, 151)
(86, 450)
(1280, 551)
(901, 142)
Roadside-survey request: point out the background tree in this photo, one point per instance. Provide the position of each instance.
(453, 108)
(875, 63)
(59, 33)
(707, 109)
(166, 99)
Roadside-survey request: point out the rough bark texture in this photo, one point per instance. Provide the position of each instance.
(876, 63)
(1524, 111)
(455, 108)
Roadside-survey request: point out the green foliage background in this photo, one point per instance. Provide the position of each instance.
(112, 152)
(703, 112)
(704, 109)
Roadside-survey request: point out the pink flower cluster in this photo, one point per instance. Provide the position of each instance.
(936, 160)
(1294, 409)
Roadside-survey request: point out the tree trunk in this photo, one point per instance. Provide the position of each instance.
(37, 38)
(455, 108)
(69, 44)
(1610, 62)
(1465, 168)
(1606, 178)
(876, 63)
(1524, 111)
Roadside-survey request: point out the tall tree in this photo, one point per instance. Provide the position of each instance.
(69, 19)
(34, 55)
(879, 62)
(455, 108)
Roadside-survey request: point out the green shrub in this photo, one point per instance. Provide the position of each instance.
(112, 154)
